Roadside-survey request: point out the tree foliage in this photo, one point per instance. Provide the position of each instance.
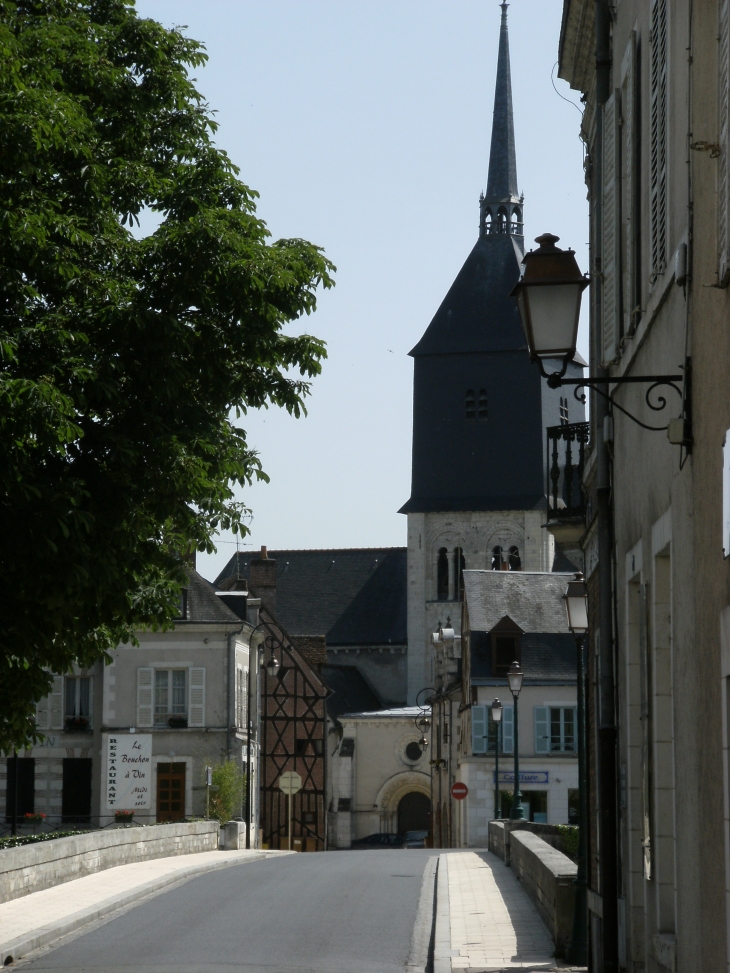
(228, 798)
(122, 359)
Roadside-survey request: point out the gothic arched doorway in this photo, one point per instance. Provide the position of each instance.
(414, 813)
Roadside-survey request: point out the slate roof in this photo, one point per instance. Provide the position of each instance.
(478, 314)
(533, 600)
(349, 689)
(502, 180)
(204, 605)
(353, 596)
(549, 658)
(398, 712)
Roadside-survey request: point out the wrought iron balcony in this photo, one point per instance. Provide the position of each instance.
(567, 446)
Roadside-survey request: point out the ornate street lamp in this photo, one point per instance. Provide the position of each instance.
(497, 720)
(548, 298)
(514, 678)
(576, 605)
(272, 666)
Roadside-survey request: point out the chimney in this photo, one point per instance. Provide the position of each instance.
(262, 580)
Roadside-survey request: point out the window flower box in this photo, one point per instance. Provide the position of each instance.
(34, 818)
(123, 817)
(77, 724)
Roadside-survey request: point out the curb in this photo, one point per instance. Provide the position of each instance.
(442, 935)
(14, 950)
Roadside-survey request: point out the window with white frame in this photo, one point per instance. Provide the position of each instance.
(171, 696)
(485, 732)
(555, 729)
(77, 697)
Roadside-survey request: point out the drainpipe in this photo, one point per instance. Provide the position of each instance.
(606, 716)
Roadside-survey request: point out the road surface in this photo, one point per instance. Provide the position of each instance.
(337, 912)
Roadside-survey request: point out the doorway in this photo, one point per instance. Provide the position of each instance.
(414, 813)
(170, 792)
(76, 792)
(23, 786)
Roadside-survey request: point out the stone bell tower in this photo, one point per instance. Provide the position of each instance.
(480, 408)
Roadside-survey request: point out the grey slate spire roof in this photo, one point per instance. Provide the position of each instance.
(480, 407)
(502, 180)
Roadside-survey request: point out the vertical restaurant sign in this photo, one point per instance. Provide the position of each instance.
(128, 771)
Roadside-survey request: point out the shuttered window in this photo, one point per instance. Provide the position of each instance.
(145, 709)
(56, 704)
(611, 256)
(723, 171)
(630, 199)
(196, 715)
(658, 136)
(555, 729)
(484, 731)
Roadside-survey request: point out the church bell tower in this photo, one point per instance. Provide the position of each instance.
(480, 408)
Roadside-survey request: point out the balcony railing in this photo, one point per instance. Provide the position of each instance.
(567, 446)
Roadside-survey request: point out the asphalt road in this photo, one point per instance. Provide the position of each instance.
(337, 912)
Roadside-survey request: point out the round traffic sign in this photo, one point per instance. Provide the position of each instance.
(459, 791)
(290, 782)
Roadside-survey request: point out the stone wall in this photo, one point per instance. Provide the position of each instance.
(546, 874)
(31, 868)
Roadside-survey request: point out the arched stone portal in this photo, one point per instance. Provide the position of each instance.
(414, 813)
(393, 792)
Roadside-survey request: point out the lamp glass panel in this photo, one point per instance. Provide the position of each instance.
(496, 713)
(577, 613)
(554, 317)
(515, 681)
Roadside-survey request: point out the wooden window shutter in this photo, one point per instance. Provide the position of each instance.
(542, 729)
(478, 729)
(611, 257)
(42, 713)
(658, 136)
(145, 710)
(508, 732)
(56, 704)
(630, 211)
(196, 708)
(723, 161)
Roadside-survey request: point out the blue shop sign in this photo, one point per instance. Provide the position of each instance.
(526, 777)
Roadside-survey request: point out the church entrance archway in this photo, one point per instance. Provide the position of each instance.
(414, 813)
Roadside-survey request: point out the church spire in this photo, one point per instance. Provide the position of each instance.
(501, 207)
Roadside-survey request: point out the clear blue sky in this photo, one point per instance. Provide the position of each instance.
(365, 127)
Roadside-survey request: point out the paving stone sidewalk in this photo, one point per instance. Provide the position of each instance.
(492, 923)
(35, 920)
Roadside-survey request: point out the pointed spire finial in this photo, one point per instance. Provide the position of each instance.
(501, 209)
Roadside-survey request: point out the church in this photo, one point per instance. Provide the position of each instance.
(478, 502)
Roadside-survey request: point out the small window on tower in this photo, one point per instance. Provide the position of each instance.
(483, 411)
(515, 563)
(470, 404)
(496, 558)
(459, 565)
(563, 411)
(442, 576)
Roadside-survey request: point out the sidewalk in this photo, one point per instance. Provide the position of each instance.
(485, 920)
(35, 920)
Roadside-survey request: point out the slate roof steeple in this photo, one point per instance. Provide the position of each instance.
(480, 407)
(501, 207)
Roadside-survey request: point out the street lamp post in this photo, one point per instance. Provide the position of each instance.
(497, 720)
(514, 678)
(576, 603)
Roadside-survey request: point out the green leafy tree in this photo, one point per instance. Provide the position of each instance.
(227, 799)
(125, 363)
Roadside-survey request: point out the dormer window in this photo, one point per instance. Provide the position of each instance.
(506, 638)
(183, 604)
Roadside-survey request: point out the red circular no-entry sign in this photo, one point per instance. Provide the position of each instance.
(459, 791)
